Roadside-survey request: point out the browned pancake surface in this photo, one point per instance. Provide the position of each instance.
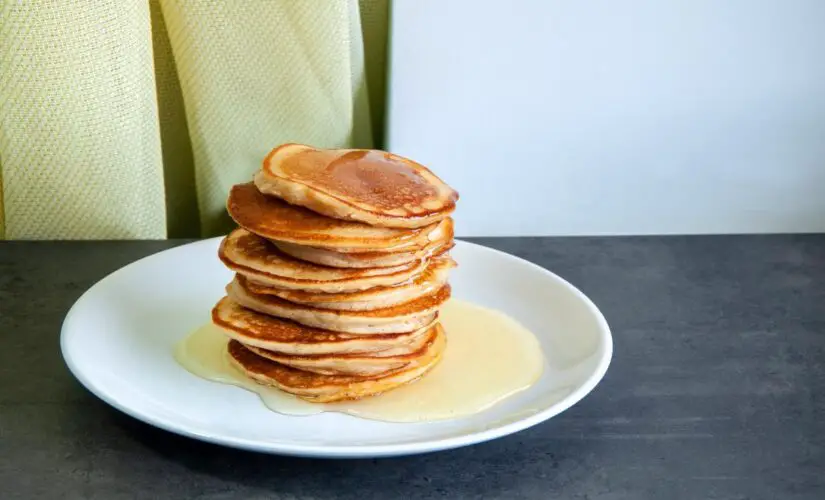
(248, 253)
(275, 333)
(435, 267)
(422, 345)
(427, 302)
(286, 377)
(438, 241)
(230, 315)
(276, 219)
(377, 179)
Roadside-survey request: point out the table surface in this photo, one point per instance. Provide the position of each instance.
(716, 389)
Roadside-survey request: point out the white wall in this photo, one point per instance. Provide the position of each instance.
(624, 116)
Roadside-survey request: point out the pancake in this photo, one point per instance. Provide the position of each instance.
(329, 388)
(259, 260)
(276, 219)
(369, 364)
(432, 278)
(287, 337)
(440, 239)
(375, 187)
(397, 319)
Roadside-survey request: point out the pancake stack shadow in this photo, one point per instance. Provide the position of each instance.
(341, 263)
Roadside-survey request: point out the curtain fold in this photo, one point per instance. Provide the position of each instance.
(183, 220)
(79, 141)
(132, 119)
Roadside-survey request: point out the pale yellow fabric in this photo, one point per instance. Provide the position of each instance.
(131, 119)
(374, 25)
(183, 219)
(79, 141)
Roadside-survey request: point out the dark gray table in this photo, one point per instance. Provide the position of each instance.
(716, 389)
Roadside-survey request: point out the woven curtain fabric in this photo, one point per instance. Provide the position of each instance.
(131, 119)
(79, 143)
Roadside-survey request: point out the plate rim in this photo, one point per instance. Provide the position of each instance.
(348, 451)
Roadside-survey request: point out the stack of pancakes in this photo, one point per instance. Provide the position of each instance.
(341, 264)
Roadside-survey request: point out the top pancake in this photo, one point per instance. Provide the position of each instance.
(370, 186)
(276, 219)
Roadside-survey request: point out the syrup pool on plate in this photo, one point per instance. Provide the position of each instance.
(489, 356)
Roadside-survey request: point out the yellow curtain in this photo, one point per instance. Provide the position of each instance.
(132, 118)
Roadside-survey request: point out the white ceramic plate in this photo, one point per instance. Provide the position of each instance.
(118, 340)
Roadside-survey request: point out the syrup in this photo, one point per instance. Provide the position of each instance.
(489, 357)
